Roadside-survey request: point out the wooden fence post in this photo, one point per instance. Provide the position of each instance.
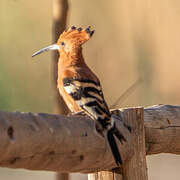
(105, 175)
(134, 168)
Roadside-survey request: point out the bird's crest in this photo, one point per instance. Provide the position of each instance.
(69, 40)
(74, 38)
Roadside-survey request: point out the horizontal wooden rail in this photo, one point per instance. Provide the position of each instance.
(39, 141)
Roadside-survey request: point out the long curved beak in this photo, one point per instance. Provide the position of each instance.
(49, 48)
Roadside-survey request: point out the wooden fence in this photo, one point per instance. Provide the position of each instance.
(39, 141)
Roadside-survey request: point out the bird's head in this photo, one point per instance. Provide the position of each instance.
(69, 40)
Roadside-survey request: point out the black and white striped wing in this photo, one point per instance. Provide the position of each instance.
(88, 95)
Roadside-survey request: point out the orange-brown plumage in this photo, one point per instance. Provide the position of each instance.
(80, 87)
(70, 72)
(71, 63)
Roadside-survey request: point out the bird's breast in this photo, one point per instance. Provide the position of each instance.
(72, 105)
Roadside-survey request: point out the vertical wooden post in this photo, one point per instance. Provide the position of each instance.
(105, 175)
(60, 11)
(62, 176)
(134, 168)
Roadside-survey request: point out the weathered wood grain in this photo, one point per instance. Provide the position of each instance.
(39, 141)
(136, 168)
(105, 175)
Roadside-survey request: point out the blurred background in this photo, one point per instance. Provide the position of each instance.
(133, 39)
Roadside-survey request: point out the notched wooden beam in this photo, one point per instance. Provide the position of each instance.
(39, 141)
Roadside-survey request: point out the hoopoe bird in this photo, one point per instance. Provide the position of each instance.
(80, 87)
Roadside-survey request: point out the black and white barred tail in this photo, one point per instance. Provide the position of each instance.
(111, 134)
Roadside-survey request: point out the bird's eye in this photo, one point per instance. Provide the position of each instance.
(62, 44)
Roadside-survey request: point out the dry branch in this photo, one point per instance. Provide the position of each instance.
(39, 141)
